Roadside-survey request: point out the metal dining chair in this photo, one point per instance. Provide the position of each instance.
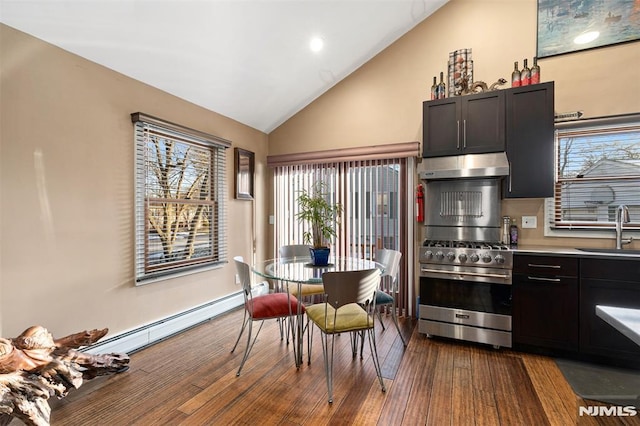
(306, 291)
(386, 294)
(348, 307)
(262, 307)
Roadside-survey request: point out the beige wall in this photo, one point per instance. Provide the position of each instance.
(66, 156)
(382, 101)
(66, 168)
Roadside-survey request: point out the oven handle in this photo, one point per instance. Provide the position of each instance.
(471, 274)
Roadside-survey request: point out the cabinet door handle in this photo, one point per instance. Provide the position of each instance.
(464, 134)
(555, 280)
(458, 140)
(534, 265)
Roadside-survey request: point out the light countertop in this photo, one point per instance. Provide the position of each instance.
(569, 251)
(625, 320)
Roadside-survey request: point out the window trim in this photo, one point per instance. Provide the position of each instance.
(143, 272)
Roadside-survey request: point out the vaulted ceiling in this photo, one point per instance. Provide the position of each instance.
(249, 60)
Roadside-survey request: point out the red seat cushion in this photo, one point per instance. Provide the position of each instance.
(274, 305)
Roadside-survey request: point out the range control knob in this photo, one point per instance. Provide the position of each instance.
(451, 256)
(462, 257)
(499, 258)
(428, 255)
(474, 257)
(486, 258)
(439, 255)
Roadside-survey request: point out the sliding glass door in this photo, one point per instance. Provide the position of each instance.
(374, 197)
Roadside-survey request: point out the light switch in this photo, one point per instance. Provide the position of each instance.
(529, 222)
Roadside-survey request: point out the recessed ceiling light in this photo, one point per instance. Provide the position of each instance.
(316, 44)
(587, 37)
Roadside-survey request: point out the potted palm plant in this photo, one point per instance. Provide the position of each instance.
(316, 209)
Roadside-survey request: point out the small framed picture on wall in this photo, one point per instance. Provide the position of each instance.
(244, 168)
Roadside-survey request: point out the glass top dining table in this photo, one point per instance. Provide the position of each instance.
(301, 270)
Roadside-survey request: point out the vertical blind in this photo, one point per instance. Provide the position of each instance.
(597, 169)
(373, 194)
(180, 218)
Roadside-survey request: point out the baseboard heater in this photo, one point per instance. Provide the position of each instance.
(146, 335)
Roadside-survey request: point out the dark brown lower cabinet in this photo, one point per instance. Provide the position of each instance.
(613, 283)
(545, 304)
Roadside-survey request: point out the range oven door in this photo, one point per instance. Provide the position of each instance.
(466, 310)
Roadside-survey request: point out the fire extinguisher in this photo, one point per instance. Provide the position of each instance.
(420, 204)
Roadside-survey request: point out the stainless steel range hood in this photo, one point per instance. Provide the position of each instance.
(464, 166)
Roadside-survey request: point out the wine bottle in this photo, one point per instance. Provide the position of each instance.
(535, 72)
(442, 87)
(525, 75)
(515, 75)
(434, 89)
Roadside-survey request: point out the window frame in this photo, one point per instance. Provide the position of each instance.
(552, 206)
(209, 197)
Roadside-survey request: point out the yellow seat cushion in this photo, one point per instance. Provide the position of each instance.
(350, 317)
(305, 289)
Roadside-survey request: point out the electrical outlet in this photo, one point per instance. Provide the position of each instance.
(529, 222)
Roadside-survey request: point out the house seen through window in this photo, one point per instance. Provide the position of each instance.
(598, 169)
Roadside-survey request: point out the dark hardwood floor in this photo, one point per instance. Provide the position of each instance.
(190, 379)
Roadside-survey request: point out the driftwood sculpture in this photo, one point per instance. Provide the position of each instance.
(34, 367)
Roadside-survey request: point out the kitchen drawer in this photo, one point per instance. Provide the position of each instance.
(611, 269)
(545, 266)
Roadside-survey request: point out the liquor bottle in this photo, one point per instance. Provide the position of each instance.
(513, 233)
(515, 75)
(441, 87)
(525, 75)
(434, 89)
(535, 72)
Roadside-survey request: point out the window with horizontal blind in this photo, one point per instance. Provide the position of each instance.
(597, 169)
(180, 221)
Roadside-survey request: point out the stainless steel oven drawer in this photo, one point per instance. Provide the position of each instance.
(463, 332)
(464, 317)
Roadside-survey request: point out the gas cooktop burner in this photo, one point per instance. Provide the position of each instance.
(483, 245)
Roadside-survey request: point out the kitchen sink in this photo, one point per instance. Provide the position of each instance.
(611, 251)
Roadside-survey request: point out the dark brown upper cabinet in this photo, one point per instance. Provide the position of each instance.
(470, 124)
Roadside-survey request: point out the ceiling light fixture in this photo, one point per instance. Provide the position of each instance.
(587, 37)
(316, 44)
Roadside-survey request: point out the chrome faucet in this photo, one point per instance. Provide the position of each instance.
(622, 216)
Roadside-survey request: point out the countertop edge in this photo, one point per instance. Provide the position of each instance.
(625, 320)
(569, 251)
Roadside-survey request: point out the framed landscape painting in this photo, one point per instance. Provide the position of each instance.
(575, 25)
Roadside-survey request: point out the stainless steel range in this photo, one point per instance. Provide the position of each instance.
(465, 291)
(465, 273)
